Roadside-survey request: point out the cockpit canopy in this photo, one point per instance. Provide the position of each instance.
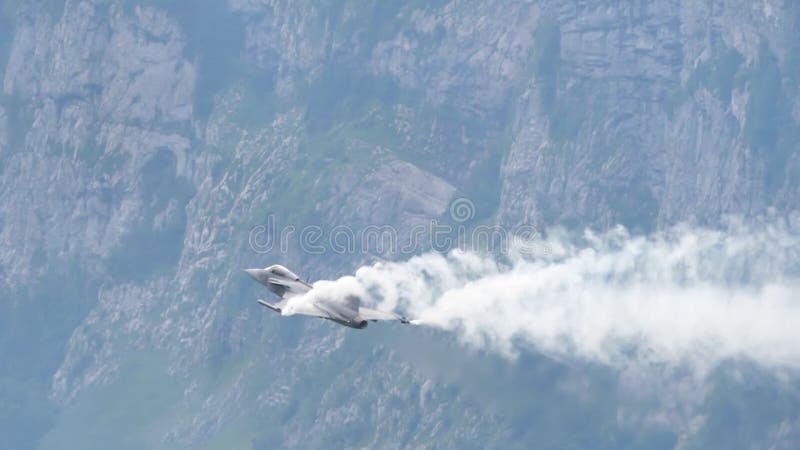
(281, 271)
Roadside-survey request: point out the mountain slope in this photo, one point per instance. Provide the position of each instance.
(142, 142)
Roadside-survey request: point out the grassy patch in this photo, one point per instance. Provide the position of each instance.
(121, 415)
(36, 322)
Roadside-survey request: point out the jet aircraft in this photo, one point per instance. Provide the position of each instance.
(290, 288)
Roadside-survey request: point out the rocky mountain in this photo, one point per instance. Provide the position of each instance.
(142, 142)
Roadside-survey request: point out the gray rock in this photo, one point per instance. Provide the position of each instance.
(3, 129)
(587, 113)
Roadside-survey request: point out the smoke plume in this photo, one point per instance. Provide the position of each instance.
(681, 296)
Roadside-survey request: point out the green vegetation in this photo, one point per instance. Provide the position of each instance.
(122, 414)
(325, 383)
(149, 248)
(36, 322)
(717, 74)
(743, 406)
(346, 93)
(258, 104)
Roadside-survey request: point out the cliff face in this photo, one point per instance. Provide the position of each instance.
(141, 142)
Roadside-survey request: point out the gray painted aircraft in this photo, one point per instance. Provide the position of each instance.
(290, 288)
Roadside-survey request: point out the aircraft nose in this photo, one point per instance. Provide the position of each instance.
(252, 272)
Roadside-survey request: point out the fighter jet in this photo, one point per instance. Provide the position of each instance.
(290, 288)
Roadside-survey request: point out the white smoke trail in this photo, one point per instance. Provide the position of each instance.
(693, 296)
